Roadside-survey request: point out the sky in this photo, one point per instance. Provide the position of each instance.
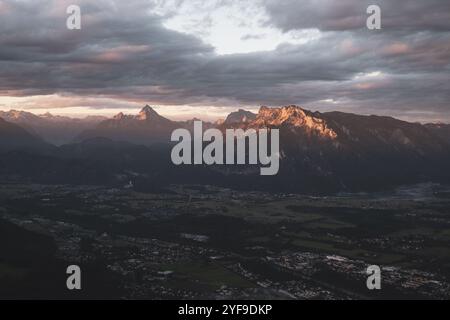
(192, 58)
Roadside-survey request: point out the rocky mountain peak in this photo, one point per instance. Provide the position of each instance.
(296, 117)
(119, 116)
(47, 115)
(240, 116)
(16, 116)
(147, 113)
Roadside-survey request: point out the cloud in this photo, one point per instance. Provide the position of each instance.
(125, 52)
(332, 15)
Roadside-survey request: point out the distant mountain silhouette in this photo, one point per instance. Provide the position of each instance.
(146, 128)
(53, 129)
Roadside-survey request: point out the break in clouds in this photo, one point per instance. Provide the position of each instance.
(318, 54)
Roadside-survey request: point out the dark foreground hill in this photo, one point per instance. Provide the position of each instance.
(14, 138)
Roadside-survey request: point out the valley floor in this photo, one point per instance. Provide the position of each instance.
(202, 242)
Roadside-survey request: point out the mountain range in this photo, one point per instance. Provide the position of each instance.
(320, 152)
(147, 127)
(56, 130)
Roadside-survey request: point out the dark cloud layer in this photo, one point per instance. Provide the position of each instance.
(124, 51)
(406, 15)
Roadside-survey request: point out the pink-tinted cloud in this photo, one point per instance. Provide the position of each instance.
(396, 49)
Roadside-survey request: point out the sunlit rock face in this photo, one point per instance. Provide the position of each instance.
(294, 116)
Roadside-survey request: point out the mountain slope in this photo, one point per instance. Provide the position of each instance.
(341, 151)
(240, 116)
(441, 130)
(14, 137)
(54, 129)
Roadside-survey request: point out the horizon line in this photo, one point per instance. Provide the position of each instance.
(102, 112)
